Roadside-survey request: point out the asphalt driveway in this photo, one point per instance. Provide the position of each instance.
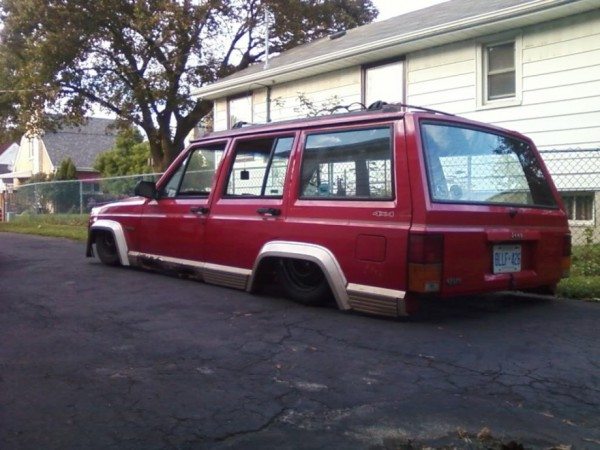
(93, 357)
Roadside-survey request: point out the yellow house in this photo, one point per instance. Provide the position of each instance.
(43, 153)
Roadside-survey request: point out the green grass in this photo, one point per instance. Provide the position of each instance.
(70, 226)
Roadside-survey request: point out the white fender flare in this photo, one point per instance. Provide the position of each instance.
(310, 252)
(117, 230)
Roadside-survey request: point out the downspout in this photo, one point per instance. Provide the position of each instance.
(268, 104)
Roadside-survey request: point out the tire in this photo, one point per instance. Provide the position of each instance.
(303, 281)
(106, 247)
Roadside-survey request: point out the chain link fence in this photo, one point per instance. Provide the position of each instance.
(576, 174)
(71, 196)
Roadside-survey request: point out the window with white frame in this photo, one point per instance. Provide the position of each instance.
(579, 206)
(384, 82)
(240, 110)
(500, 71)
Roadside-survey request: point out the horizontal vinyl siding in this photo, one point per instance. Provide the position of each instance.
(560, 83)
(343, 85)
(443, 78)
(220, 115)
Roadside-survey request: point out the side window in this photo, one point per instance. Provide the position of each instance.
(194, 177)
(259, 167)
(349, 165)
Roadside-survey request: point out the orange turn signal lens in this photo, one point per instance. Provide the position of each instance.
(424, 278)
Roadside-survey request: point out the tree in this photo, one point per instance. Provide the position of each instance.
(129, 156)
(139, 59)
(66, 170)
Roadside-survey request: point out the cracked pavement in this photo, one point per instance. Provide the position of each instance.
(97, 357)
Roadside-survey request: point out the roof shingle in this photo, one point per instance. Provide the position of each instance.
(81, 144)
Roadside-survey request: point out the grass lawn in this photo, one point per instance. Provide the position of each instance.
(71, 226)
(584, 282)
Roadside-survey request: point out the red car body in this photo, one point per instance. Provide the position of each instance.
(404, 216)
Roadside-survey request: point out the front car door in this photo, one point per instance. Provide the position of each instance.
(173, 225)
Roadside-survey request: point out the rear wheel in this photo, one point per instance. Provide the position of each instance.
(303, 281)
(107, 248)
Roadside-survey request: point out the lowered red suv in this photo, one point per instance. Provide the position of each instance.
(374, 209)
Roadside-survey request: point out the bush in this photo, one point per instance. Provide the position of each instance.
(580, 287)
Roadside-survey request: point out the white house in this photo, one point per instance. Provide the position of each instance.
(531, 66)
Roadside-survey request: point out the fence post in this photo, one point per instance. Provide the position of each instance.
(80, 197)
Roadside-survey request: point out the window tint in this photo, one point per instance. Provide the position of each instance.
(471, 166)
(259, 167)
(194, 177)
(348, 165)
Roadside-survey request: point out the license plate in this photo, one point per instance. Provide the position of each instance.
(507, 258)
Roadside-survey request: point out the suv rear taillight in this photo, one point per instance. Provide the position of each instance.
(425, 256)
(566, 256)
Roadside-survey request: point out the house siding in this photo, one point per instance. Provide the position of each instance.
(339, 87)
(560, 83)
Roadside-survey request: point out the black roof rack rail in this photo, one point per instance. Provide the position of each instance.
(381, 105)
(361, 107)
(241, 124)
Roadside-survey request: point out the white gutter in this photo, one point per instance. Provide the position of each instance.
(220, 88)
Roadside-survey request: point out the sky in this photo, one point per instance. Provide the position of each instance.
(391, 8)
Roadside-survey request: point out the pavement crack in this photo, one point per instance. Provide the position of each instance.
(274, 418)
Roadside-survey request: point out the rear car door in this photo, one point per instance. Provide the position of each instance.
(352, 196)
(248, 209)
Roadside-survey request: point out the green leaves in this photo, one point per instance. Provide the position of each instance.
(140, 59)
(130, 156)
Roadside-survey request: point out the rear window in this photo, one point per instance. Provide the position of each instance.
(466, 165)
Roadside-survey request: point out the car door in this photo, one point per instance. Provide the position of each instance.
(248, 208)
(173, 225)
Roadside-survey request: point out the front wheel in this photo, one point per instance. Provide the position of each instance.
(303, 281)
(107, 248)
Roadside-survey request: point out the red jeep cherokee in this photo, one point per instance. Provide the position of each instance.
(374, 209)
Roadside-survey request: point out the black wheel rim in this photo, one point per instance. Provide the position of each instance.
(109, 243)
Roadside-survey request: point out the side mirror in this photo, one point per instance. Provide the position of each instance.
(146, 189)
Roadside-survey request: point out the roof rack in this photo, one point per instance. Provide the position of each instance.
(241, 124)
(357, 107)
(380, 105)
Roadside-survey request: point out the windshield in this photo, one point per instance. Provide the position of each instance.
(466, 165)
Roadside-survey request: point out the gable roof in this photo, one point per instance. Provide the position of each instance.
(82, 144)
(6, 146)
(447, 22)
(8, 153)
